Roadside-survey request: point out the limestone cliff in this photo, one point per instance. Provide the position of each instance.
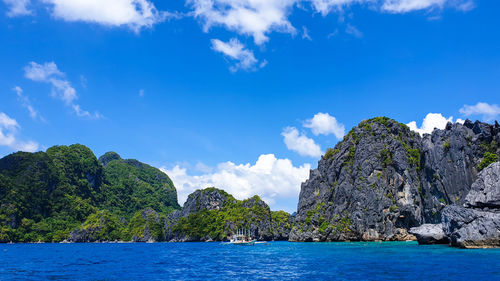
(213, 215)
(383, 179)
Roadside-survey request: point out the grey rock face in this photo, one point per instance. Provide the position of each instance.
(207, 199)
(364, 189)
(485, 192)
(383, 179)
(471, 228)
(83, 235)
(450, 160)
(430, 234)
(477, 225)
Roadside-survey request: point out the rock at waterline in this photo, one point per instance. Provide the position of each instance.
(430, 234)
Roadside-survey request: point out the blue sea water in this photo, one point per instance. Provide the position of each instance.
(273, 261)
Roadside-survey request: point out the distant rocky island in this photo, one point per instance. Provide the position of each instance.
(382, 182)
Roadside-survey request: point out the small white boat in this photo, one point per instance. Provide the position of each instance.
(242, 239)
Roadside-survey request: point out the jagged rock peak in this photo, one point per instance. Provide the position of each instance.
(209, 198)
(365, 188)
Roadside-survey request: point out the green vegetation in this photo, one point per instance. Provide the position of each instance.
(446, 145)
(342, 225)
(381, 120)
(44, 196)
(281, 219)
(330, 153)
(146, 222)
(234, 214)
(386, 157)
(315, 212)
(491, 147)
(386, 122)
(132, 186)
(104, 226)
(488, 158)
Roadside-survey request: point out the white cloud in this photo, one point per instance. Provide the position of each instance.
(8, 135)
(327, 6)
(255, 18)
(431, 121)
(300, 143)
(135, 14)
(488, 111)
(405, 6)
(7, 123)
(49, 73)
(83, 113)
(275, 180)
(26, 103)
(41, 73)
(305, 33)
(141, 93)
(391, 6)
(233, 49)
(324, 124)
(17, 7)
(352, 30)
(61, 88)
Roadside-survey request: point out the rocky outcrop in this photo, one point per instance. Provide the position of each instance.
(485, 192)
(207, 199)
(213, 215)
(476, 224)
(471, 228)
(450, 163)
(430, 234)
(384, 179)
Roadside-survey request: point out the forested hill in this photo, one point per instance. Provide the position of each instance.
(45, 196)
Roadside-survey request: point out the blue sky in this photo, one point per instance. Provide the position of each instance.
(203, 89)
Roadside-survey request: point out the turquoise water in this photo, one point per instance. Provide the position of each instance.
(273, 261)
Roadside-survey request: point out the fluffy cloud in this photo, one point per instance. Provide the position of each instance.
(236, 51)
(488, 111)
(26, 103)
(431, 121)
(49, 73)
(8, 135)
(135, 14)
(255, 18)
(300, 143)
(324, 124)
(17, 7)
(275, 180)
(61, 88)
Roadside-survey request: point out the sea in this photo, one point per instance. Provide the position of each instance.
(271, 261)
